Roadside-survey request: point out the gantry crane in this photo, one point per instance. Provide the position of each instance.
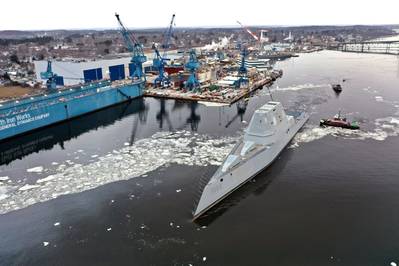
(242, 70)
(51, 77)
(135, 48)
(167, 37)
(192, 65)
(54, 80)
(159, 61)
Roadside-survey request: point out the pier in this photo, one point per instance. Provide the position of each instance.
(224, 96)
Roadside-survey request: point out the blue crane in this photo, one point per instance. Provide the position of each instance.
(135, 48)
(159, 61)
(167, 37)
(192, 65)
(242, 70)
(52, 79)
(50, 76)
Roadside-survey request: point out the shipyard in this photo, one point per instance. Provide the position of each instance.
(199, 133)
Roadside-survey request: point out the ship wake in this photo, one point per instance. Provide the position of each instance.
(379, 130)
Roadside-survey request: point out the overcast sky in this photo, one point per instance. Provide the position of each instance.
(78, 14)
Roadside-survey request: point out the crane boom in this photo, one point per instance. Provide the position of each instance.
(167, 37)
(249, 31)
(135, 48)
(159, 61)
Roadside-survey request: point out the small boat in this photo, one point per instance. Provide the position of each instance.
(337, 87)
(338, 121)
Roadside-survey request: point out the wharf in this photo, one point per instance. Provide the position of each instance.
(225, 96)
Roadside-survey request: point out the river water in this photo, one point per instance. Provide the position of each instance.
(117, 187)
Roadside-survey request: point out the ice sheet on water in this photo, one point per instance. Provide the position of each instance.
(163, 148)
(3, 192)
(145, 155)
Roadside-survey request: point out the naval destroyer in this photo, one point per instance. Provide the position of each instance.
(268, 133)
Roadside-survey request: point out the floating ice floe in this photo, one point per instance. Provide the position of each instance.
(28, 187)
(46, 179)
(3, 178)
(212, 104)
(37, 169)
(145, 155)
(383, 128)
(3, 193)
(163, 148)
(301, 87)
(379, 98)
(3, 196)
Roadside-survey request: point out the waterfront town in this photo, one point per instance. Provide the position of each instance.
(19, 49)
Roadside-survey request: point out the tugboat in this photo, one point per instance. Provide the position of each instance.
(337, 88)
(338, 121)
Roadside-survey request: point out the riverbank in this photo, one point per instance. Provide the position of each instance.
(12, 92)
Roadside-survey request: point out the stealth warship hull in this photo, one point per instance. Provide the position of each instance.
(268, 133)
